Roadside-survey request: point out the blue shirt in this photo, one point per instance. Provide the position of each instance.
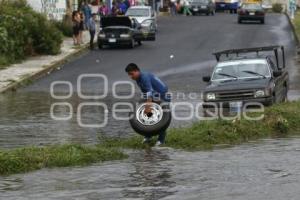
(152, 86)
(92, 25)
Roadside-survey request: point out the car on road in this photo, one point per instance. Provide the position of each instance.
(118, 31)
(202, 7)
(251, 12)
(246, 76)
(145, 15)
(230, 5)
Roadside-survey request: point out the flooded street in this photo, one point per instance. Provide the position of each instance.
(268, 169)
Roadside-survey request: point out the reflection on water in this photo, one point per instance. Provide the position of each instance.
(151, 176)
(25, 120)
(268, 169)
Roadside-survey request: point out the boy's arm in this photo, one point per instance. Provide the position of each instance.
(149, 91)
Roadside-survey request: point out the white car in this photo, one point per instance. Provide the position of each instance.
(145, 16)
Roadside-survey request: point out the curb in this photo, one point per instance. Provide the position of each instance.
(164, 14)
(294, 31)
(47, 68)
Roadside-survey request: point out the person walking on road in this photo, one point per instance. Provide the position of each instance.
(92, 29)
(153, 89)
(186, 9)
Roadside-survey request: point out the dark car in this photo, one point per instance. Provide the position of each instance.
(252, 78)
(118, 31)
(202, 7)
(251, 12)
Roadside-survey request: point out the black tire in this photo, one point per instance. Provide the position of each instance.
(100, 46)
(207, 14)
(213, 13)
(151, 130)
(262, 21)
(239, 21)
(274, 99)
(285, 93)
(139, 43)
(231, 11)
(132, 44)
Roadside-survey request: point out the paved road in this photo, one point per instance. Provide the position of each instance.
(190, 39)
(25, 117)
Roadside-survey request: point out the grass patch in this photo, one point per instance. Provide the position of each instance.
(296, 23)
(33, 158)
(279, 120)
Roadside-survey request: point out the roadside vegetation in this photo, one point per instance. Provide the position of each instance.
(277, 8)
(33, 158)
(24, 32)
(279, 120)
(296, 23)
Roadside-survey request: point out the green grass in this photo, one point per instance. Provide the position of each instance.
(33, 158)
(296, 23)
(279, 120)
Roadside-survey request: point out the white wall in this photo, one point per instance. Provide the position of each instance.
(54, 9)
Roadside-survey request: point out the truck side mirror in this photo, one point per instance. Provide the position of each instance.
(277, 73)
(206, 78)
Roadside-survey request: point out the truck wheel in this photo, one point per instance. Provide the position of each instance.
(285, 93)
(152, 124)
(132, 43)
(100, 46)
(262, 21)
(139, 42)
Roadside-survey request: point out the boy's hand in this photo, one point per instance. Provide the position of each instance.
(148, 109)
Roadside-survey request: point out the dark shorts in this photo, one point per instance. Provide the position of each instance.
(75, 30)
(81, 26)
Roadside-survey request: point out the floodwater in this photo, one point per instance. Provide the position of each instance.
(26, 120)
(267, 169)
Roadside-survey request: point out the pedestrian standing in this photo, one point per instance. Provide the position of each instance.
(87, 11)
(81, 26)
(92, 30)
(114, 9)
(103, 10)
(157, 6)
(173, 7)
(127, 3)
(186, 9)
(76, 27)
(122, 7)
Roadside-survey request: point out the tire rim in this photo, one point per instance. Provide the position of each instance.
(156, 116)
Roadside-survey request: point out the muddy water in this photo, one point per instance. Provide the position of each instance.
(25, 119)
(268, 169)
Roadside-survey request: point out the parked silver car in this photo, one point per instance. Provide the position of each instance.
(145, 15)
